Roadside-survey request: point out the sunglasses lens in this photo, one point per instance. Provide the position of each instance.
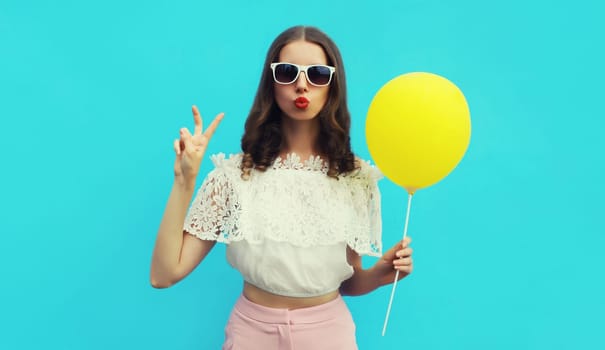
(285, 73)
(319, 75)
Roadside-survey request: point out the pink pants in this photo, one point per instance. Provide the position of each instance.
(255, 327)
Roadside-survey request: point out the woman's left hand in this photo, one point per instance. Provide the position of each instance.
(399, 257)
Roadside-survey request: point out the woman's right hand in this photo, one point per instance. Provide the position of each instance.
(190, 148)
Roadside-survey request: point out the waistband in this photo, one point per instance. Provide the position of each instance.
(314, 314)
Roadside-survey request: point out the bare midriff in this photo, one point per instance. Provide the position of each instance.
(264, 298)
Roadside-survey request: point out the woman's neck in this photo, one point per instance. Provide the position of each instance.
(300, 137)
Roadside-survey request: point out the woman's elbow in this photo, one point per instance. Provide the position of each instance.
(159, 284)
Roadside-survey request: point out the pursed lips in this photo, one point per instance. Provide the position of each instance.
(301, 102)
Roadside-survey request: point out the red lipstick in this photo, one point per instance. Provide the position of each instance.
(301, 102)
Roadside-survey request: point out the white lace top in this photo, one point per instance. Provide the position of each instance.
(288, 228)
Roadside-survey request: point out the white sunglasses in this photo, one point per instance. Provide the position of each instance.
(287, 73)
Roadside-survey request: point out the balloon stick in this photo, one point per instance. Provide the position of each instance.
(405, 232)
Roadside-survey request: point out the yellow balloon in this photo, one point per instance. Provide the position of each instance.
(418, 128)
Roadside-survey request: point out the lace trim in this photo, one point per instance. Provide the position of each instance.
(304, 208)
(292, 161)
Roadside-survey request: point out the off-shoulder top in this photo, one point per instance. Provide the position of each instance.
(287, 229)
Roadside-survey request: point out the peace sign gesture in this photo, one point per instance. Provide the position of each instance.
(190, 149)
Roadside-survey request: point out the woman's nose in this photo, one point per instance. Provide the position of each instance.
(301, 82)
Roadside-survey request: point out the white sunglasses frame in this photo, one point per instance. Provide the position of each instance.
(302, 68)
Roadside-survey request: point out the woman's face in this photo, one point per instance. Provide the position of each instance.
(291, 97)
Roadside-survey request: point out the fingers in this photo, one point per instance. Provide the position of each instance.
(392, 253)
(197, 120)
(177, 147)
(210, 131)
(403, 253)
(402, 247)
(403, 261)
(404, 264)
(199, 124)
(403, 256)
(406, 269)
(197, 141)
(186, 136)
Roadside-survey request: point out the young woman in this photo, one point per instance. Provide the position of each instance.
(296, 208)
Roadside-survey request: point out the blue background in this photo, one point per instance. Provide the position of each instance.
(508, 248)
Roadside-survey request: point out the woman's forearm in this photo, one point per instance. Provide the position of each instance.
(169, 241)
(362, 282)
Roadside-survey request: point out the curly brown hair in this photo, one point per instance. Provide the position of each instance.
(262, 139)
